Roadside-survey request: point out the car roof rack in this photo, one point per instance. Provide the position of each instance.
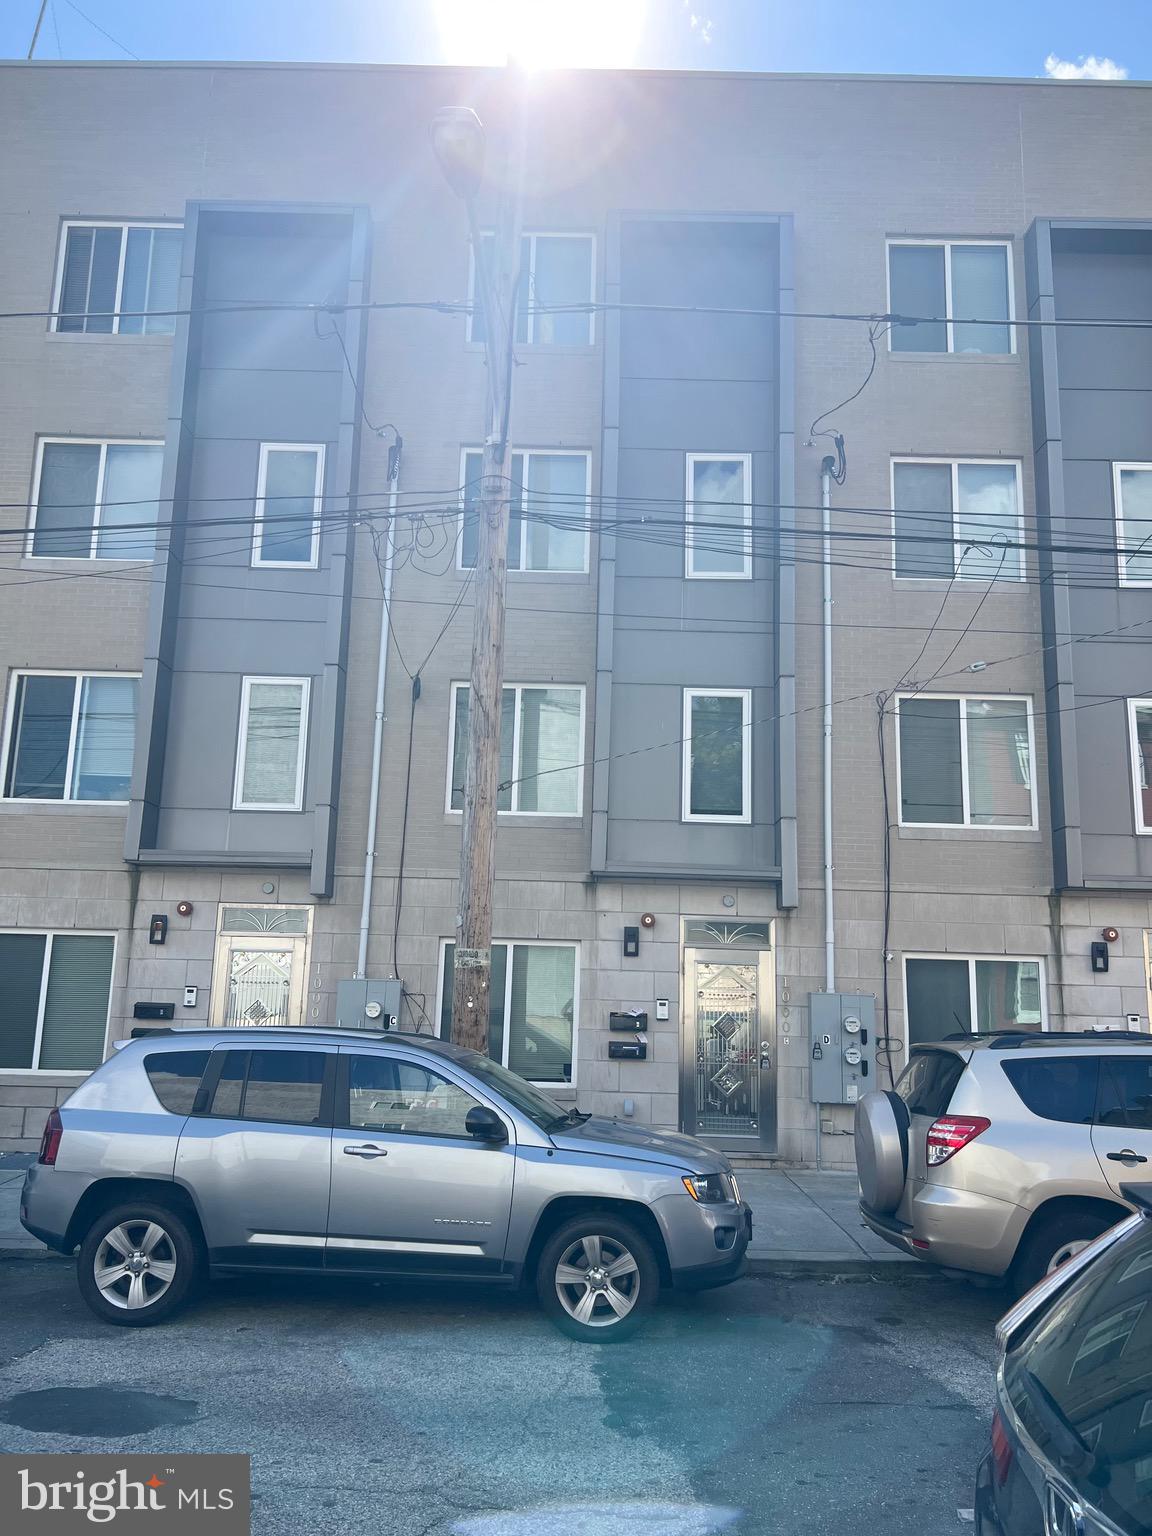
(1012, 1040)
(276, 1031)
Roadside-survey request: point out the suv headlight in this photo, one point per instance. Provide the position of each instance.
(711, 1188)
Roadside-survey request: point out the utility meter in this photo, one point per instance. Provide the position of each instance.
(841, 1047)
(373, 1010)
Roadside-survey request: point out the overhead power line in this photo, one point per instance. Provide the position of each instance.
(884, 318)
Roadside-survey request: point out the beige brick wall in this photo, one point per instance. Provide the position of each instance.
(854, 161)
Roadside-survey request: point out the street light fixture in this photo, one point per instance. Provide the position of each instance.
(458, 144)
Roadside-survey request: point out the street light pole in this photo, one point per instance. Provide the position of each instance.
(497, 272)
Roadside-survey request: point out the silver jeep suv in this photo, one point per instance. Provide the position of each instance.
(1005, 1155)
(357, 1153)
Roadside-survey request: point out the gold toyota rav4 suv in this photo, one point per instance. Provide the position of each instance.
(1004, 1155)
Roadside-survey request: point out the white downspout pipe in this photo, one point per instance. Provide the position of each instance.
(829, 865)
(378, 725)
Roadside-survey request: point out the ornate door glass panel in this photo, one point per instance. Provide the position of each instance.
(259, 987)
(727, 1049)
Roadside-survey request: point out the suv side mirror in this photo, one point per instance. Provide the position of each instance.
(485, 1124)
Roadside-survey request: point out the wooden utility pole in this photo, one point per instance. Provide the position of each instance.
(497, 267)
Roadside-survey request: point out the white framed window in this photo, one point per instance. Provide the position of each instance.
(289, 501)
(966, 762)
(533, 1021)
(95, 499)
(717, 764)
(548, 520)
(961, 290)
(57, 995)
(1140, 740)
(69, 736)
(110, 274)
(273, 744)
(1132, 499)
(957, 519)
(958, 994)
(557, 267)
(541, 749)
(718, 517)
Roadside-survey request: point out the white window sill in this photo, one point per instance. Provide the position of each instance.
(84, 807)
(960, 834)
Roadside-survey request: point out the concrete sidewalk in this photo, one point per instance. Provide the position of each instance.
(802, 1222)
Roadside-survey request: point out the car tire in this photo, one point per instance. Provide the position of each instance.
(139, 1265)
(1050, 1242)
(624, 1283)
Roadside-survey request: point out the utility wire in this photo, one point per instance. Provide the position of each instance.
(464, 307)
(115, 41)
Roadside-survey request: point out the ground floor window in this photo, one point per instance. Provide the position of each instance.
(948, 995)
(532, 1010)
(54, 1000)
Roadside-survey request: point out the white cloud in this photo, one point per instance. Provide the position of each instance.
(1090, 68)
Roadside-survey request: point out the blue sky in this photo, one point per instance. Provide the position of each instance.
(979, 37)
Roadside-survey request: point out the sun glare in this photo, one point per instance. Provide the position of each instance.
(541, 34)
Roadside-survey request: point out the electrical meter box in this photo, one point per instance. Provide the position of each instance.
(366, 1004)
(842, 1046)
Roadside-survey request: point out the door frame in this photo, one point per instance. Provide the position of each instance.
(297, 944)
(764, 958)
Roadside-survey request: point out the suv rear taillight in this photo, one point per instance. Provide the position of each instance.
(50, 1141)
(950, 1134)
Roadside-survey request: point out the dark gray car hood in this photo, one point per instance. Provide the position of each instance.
(620, 1138)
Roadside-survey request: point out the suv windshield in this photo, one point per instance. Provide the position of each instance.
(539, 1106)
(1081, 1383)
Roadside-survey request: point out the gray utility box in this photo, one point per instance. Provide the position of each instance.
(357, 1001)
(842, 1050)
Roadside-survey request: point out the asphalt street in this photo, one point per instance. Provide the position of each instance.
(773, 1408)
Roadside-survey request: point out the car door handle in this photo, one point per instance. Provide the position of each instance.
(367, 1150)
(1127, 1156)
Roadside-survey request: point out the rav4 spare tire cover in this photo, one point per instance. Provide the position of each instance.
(881, 1150)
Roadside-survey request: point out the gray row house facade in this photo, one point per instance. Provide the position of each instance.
(243, 399)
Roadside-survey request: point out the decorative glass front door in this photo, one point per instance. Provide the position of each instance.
(259, 987)
(729, 1085)
(259, 972)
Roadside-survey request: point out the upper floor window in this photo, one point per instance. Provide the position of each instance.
(273, 741)
(548, 517)
(717, 772)
(960, 292)
(56, 992)
(718, 516)
(70, 736)
(289, 497)
(1132, 490)
(957, 518)
(965, 762)
(555, 269)
(112, 278)
(541, 749)
(1140, 735)
(95, 500)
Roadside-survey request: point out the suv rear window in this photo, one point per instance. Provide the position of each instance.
(175, 1077)
(1064, 1089)
(1081, 1383)
(929, 1080)
(283, 1086)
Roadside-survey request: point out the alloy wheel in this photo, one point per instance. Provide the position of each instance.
(135, 1264)
(1066, 1251)
(597, 1281)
